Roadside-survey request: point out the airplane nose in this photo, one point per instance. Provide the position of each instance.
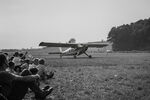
(41, 44)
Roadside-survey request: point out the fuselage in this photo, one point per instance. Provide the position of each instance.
(74, 51)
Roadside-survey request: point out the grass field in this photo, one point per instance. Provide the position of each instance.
(113, 76)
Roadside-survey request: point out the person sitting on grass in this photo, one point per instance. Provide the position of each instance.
(17, 70)
(43, 72)
(14, 87)
(11, 67)
(16, 59)
(25, 65)
(7, 56)
(23, 56)
(34, 64)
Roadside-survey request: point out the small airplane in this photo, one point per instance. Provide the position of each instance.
(75, 49)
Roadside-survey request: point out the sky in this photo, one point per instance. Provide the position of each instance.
(26, 23)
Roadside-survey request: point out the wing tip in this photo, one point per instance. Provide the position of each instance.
(41, 44)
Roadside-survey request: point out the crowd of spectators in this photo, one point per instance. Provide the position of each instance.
(21, 65)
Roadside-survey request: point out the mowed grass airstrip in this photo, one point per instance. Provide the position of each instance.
(113, 76)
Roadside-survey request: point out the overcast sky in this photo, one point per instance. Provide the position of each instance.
(25, 23)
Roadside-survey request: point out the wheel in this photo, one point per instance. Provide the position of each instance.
(90, 56)
(75, 56)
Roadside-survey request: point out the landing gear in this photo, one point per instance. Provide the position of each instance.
(88, 55)
(75, 56)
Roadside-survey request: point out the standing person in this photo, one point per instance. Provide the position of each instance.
(14, 87)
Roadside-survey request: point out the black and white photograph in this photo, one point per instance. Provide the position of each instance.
(74, 49)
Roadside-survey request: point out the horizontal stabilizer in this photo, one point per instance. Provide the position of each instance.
(97, 44)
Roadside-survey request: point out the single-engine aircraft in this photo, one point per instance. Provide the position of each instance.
(75, 49)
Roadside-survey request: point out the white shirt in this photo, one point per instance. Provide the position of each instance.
(17, 61)
(32, 66)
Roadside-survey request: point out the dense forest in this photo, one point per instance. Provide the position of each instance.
(134, 36)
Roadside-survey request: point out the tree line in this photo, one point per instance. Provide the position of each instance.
(134, 36)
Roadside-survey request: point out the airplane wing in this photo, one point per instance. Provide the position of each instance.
(73, 45)
(49, 44)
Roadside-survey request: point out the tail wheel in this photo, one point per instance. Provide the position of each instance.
(75, 56)
(60, 56)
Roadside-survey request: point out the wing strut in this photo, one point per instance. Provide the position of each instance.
(88, 55)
